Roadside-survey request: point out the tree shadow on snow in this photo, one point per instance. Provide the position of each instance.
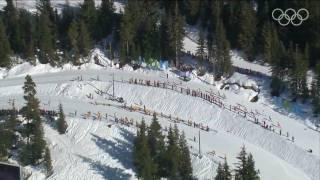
(118, 149)
(106, 171)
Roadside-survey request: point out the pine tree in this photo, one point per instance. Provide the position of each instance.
(245, 167)
(241, 168)
(105, 18)
(298, 74)
(11, 20)
(73, 37)
(221, 53)
(223, 171)
(316, 91)
(201, 46)
(67, 17)
(253, 174)
(45, 32)
(4, 143)
(27, 36)
(5, 50)
(185, 167)
(247, 29)
(220, 173)
(32, 151)
(7, 134)
(89, 17)
(157, 146)
(47, 162)
(193, 11)
(84, 40)
(128, 29)
(146, 169)
(176, 34)
(61, 122)
(172, 154)
(267, 42)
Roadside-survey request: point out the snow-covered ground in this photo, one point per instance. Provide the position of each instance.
(91, 149)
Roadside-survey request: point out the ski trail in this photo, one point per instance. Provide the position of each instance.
(85, 132)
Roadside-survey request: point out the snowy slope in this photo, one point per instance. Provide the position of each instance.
(276, 157)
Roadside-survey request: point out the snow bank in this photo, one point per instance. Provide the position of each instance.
(239, 61)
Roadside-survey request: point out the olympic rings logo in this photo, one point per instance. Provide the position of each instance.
(290, 16)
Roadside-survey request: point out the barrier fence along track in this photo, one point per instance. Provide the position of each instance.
(209, 97)
(212, 98)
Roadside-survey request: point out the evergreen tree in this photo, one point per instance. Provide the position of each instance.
(185, 167)
(7, 134)
(193, 11)
(172, 154)
(223, 171)
(47, 162)
(84, 40)
(220, 173)
(241, 168)
(67, 17)
(5, 50)
(45, 32)
(5, 142)
(221, 53)
(316, 91)
(253, 174)
(73, 37)
(201, 46)
(157, 146)
(32, 151)
(298, 74)
(89, 17)
(61, 122)
(267, 42)
(105, 18)
(146, 169)
(245, 167)
(11, 20)
(27, 35)
(176, 34)
(247, 28)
